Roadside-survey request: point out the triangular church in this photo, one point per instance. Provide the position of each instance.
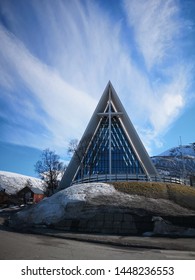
(110, 148)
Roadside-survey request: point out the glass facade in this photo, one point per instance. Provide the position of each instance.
(110, 150)
(96, 157)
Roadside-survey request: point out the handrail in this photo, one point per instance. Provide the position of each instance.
(130, 177)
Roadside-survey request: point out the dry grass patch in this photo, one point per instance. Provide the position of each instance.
(180, 194)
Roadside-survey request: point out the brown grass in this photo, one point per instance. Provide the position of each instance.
(180, 194)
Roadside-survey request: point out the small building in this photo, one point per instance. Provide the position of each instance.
(30, 195)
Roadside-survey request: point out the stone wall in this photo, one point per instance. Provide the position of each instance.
(110, 223)
(122, 223)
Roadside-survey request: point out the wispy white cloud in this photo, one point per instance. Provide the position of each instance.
(79, 47)
(81, 56)
(170, 101)
(86, 43)
(156, 25)
(158, 29)
(62, 103)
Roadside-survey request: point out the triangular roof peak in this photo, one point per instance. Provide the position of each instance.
(111, 129)
(108, 93)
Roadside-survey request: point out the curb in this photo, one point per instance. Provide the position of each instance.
(158, 243)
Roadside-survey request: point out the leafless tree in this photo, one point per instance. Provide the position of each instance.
(49, 168)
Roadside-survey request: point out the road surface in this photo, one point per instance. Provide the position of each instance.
(23, 246)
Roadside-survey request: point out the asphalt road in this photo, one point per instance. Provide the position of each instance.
(23, 246)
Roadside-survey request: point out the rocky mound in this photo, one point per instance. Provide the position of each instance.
(98, 207)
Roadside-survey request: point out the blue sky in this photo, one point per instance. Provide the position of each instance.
(56, 58)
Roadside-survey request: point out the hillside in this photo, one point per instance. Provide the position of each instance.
(178, 161)
(13, 182)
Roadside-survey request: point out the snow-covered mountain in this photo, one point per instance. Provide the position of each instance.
(186, 151)
(13, 182)
(177, 161)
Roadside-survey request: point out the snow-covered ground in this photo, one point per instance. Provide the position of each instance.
(13, 182)
(53, 209)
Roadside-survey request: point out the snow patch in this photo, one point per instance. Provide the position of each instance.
(53, 209)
